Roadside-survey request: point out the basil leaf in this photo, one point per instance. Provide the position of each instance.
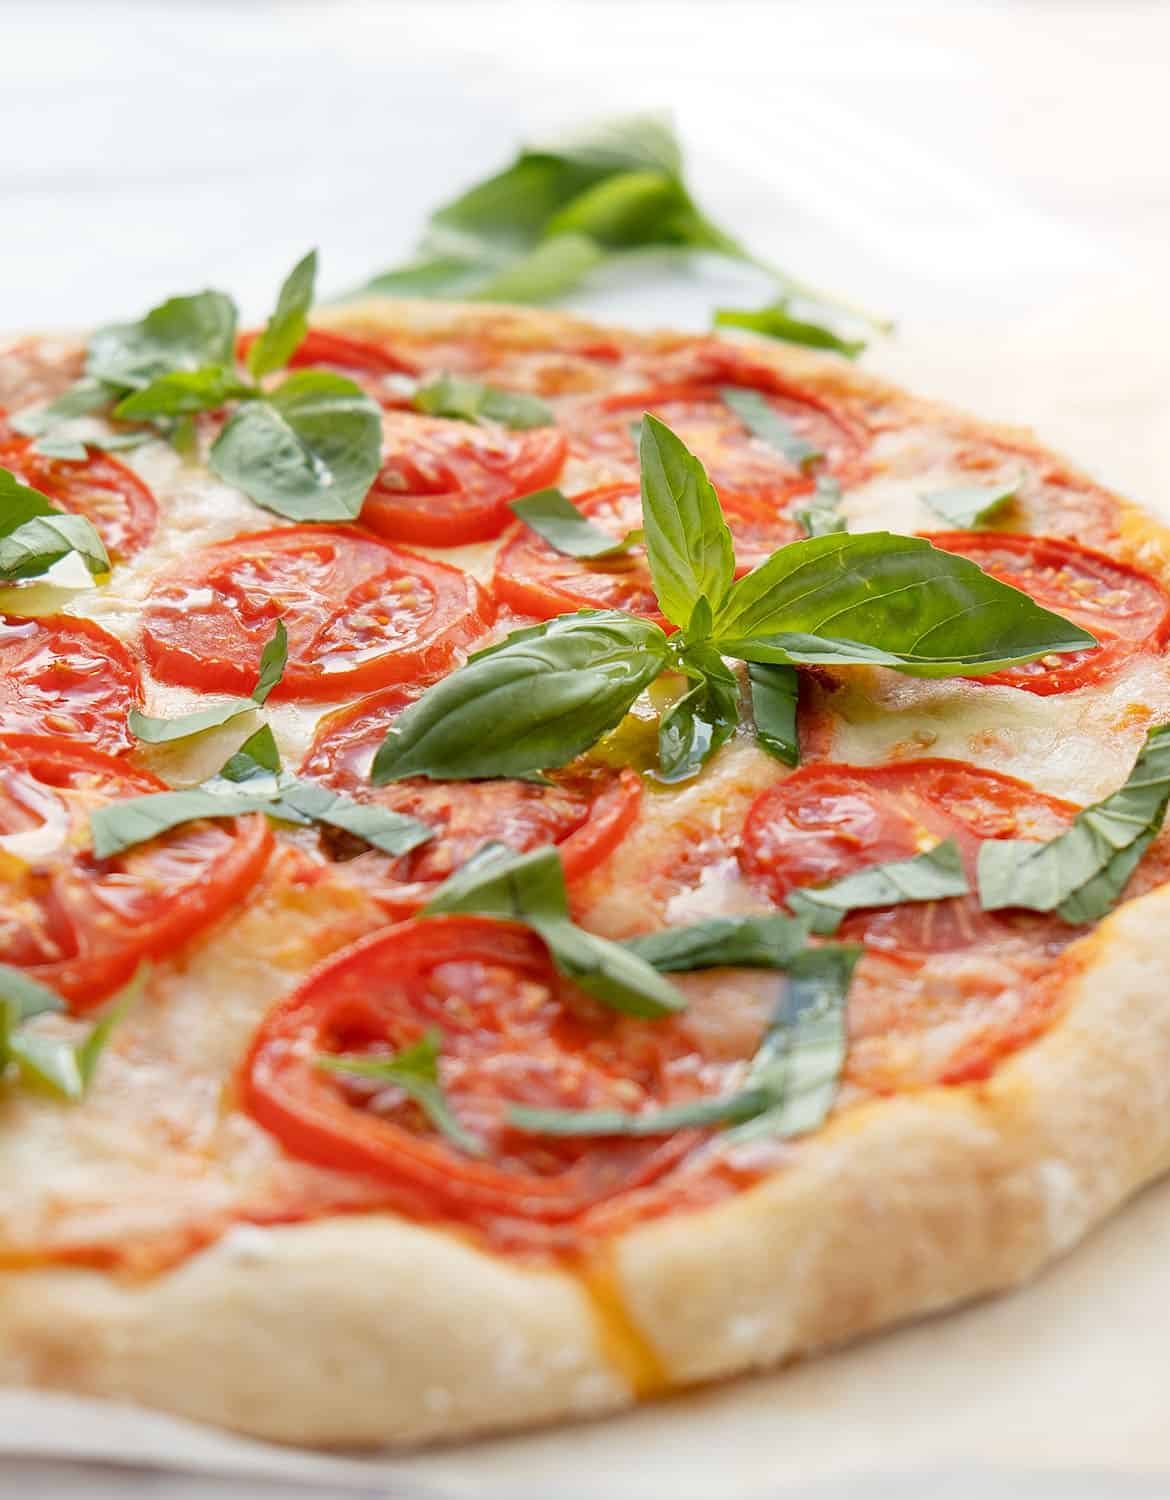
(554, 266)
(622, 143)
(258, 758)
(120, 825)
(823, 515)
(62, 1066)
(19, 503)
(688, 544)
(892, 601)
(472, 401)
(775, 691)
(120, 442)
(630, 208)
(60, 447)
(761, 418)
(391, 832)
(33, 548)
(968, 506)
(158, 731)
(531, 703)
(776, 322)
(414, 1070)
(288, 323)
(530, 889)
(930, 876)
(694, 727)
(182, 393)
(309, 450)
(184, 333)
(555, 518)
(22, 997)
(82, 398)
(694, 1114)
(770, 942)
(1082, 872)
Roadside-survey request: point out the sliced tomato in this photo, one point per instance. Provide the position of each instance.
(106, 492)
(533, 578)
(360, 614)
(66, 677)
(80, 924)
(824, 822)
(445, 482)
(510, 1036)
(343, 352)
(585, 812)
(1126, 609)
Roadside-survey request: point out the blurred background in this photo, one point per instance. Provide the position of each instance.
(993, 176)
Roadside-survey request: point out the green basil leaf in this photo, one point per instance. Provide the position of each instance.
(158, 731)
(770, 942)
(969, 506)
(289, 322)
(776, 322)
(823, 515)
(1082, 872)
(184, 333)
(273, 660)
(688, 544)
(775, 690)
(532, 703)
(555, 518)
(20, 504)
(414, 1070)
(391, 832)
(472, 401)
(694, 727)
(60, 447)
(83, 397)
(309, 450)
(120, 442)
(530, 889)
(554, 266)
(629, 208)
(257, 759)
(931, 876)
(695, 1114)
(893, 601)
(62, 1066)
(22, 997)
(761, 418)
(120, 825)
(33, 548)
(621, 143)
(182, 393)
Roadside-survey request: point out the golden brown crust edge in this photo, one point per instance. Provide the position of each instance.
(372, 1330)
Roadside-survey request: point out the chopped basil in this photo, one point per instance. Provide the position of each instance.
(823, 514)
(60, 1065)
(414, 1070)
(182, 393)
(775, 690)
(83, 397)
(888, 600)
(769, 942)
(472, 401)
(531, 703)
(555, 518)
(184, 333)
(156, 731)
(969, 506)
(930, 876)
(288, 323)
(1083, 872)
(776, 322)
(694, 727)
(530, 888)
(117, 826)
(60, 447)
(34, 535)
(688, 544)
(762, 419)
(391, 832)
(308, 451)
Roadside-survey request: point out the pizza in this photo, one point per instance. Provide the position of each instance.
(544, 951)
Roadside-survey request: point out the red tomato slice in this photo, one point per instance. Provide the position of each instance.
(106, 492)
(533, 578)
(585, 812)
(445, 482)
(509, 1037)
(359, 614)
(80, 924)
(824, 822)
(337, 351)
(66, 677)
(1127, 610)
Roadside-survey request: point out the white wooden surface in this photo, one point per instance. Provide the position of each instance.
(993, 175)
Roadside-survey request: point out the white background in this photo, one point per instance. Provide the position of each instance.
(994, 176)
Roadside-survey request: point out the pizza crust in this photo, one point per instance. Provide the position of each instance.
(370, 1330)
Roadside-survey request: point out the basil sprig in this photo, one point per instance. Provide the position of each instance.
(530, 889)
(969, 506)
(414, 1070)
(60, 1065)
(791, 1081)
(157, 731)
(930, 876)
(471, 401)
(553, 516)
(1082, 873)
(610, 192)
(34, 534)
(777, 321)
